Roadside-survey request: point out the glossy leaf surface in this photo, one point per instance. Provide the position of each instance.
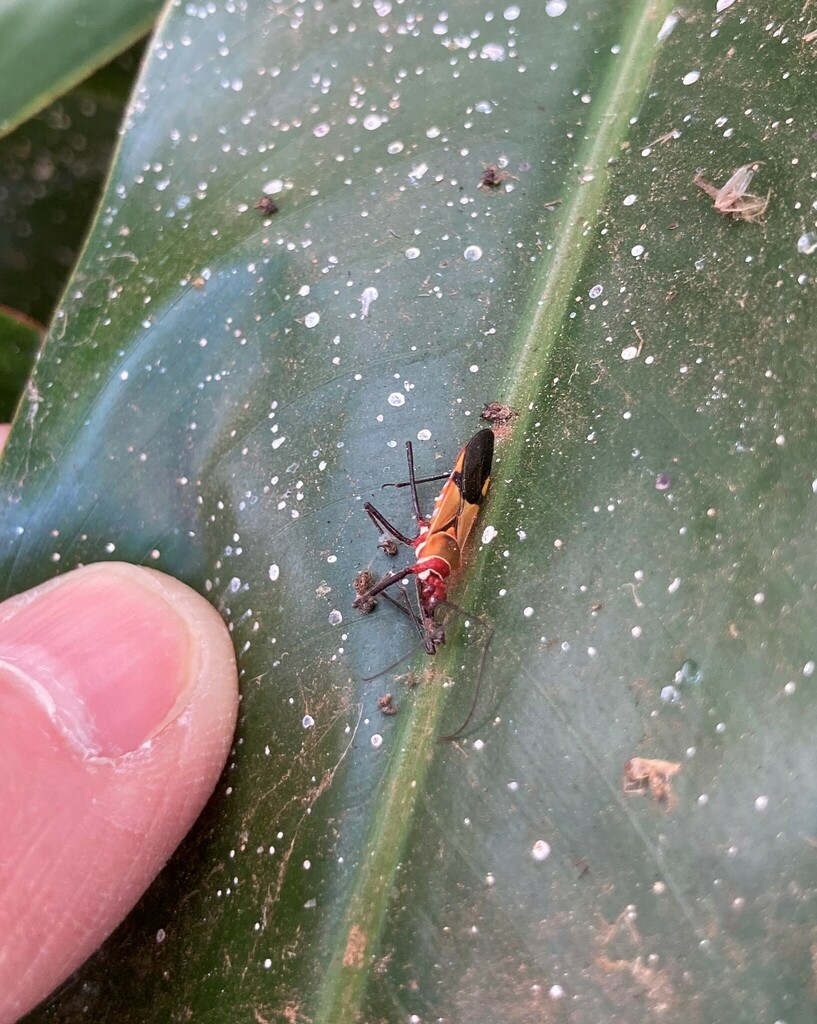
(240, 384)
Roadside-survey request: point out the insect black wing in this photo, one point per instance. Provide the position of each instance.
(476, 466)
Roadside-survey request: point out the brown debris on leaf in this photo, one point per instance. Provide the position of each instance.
(267, 206)
(386, 704)
(355, 952)
(492, 177)
(363, 582)
(387, 545)
(733, 199)
(651, 775)
(496, 412)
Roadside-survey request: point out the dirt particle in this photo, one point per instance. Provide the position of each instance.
(267, 206)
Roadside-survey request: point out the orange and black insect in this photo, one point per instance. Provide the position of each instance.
(440, 541)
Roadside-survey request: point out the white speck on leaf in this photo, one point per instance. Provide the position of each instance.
(541, 850)
(367, 297)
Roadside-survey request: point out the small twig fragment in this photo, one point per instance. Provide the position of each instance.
(662, 140)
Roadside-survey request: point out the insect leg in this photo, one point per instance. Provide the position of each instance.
(382, 524)
(428, 638)
(431, 631)
(413, 481)
(406, 609)
(387, 581)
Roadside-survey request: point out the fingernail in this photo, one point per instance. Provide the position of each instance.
(104, 652)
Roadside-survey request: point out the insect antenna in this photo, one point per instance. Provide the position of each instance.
(489, 631)
(412, 483)
(388, 668)
(421, 480)
(381, 523)
(383, 526)
(431, 633)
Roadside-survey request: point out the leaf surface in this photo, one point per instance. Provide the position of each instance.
(239, 385)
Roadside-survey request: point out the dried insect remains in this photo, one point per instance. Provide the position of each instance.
(733, 199)
(496, 412)
(492, 177)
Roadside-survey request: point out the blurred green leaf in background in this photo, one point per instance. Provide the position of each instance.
(52, 169)
(49, 46)
(55, 149)
(221, 389)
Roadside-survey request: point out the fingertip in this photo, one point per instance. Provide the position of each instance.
(118, 700)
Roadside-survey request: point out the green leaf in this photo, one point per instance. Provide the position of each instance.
(49, 46)
(213, 374)
(52, 170)
(20, 338)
